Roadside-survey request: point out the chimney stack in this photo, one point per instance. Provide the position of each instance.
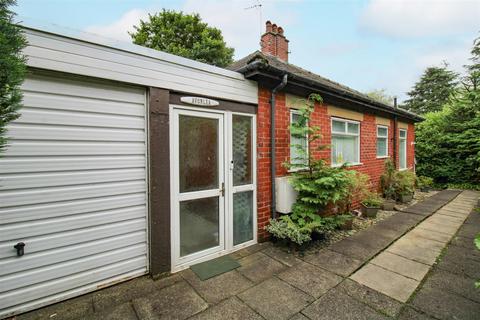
(273, 41)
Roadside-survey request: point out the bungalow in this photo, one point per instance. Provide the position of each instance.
(128, 161)
(361, 131)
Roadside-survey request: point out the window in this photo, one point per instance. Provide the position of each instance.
(402, 146)
(345, 142)
(295, 142)
(382, 141)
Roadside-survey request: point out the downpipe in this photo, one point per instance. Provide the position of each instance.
(279, 87)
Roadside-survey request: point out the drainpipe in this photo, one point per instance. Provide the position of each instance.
(395, 120)
(279, 87)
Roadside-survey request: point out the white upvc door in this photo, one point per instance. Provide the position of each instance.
(213, 184)
(198, 185)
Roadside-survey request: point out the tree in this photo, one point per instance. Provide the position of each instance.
(184, 35)
(471, 81)
(12, 67)
(432, 91)
(381, 95)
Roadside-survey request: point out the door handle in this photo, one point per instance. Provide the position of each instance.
(222, 191)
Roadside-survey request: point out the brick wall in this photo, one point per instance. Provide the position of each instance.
(371, 165)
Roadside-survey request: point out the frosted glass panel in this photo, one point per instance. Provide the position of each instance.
(242, 150)
(199, 225)
(338, 126)
(353, 127)
(295, 142)
(403, 154)
(242, 217)
(344, 149)
(382, 132)
(381, 147)
(198, 156)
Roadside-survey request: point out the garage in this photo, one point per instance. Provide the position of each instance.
(85, 179)
(73, 190)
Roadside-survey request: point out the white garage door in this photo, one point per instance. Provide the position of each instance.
(73, 189)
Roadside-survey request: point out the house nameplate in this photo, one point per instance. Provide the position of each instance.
(199, 101)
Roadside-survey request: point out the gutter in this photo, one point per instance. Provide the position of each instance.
(279, 87)
(312, 85)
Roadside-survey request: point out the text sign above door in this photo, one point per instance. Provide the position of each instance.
(199, 101)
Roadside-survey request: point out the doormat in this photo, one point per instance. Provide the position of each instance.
(212, 268)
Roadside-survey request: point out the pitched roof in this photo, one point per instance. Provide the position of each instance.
(272, 62)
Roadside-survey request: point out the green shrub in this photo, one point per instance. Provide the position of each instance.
(319, 186)
(357, 188)
(372, 200)
(387, 180)
(404, 182)
(424, 182)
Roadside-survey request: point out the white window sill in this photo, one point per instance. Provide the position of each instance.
(382, 157)
(402, 169)
(352, 164)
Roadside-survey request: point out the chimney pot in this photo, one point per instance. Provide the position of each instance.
(268, 26)
(273, 41)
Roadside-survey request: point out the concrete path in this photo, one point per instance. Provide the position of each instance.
(398, 271)
(370, 275)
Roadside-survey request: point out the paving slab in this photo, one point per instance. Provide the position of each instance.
(466, 243)
(385, 230)
(310, 279)
(218, 288)
(447, 229)
(124, 292)
(373, 298)
(469, 230)
(452, 213)
(429, 234)
(333, 261)
(299, 316)
(372, 239)
(401, 265)
(250, 250)
(259, 267)
(282, 256)
(413, 252)
(387, 282)
(460, 263)
(338, 305)
(232, 309)
(70, 309)
(354, 249)
(178, 301)
(275, 299)
(409, 313)
(121, 312)
(442, 304)
(414, 240)
(454, 283)
(473, 218)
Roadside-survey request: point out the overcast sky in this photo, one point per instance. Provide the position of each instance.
(365, 44)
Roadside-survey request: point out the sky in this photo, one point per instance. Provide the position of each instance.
(364, 44)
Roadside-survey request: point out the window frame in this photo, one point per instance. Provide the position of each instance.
(406, 148)
(346, 133)
(382, 137)
(297, 112)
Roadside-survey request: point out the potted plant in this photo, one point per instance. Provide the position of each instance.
(371, 204)
(387, 183)
(424, 183)
(405, 185)
(357, 188)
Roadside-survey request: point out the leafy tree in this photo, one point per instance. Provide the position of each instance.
(184, 35)
(381, 95)
(471, 81)
(432, 91)
(12, 67)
